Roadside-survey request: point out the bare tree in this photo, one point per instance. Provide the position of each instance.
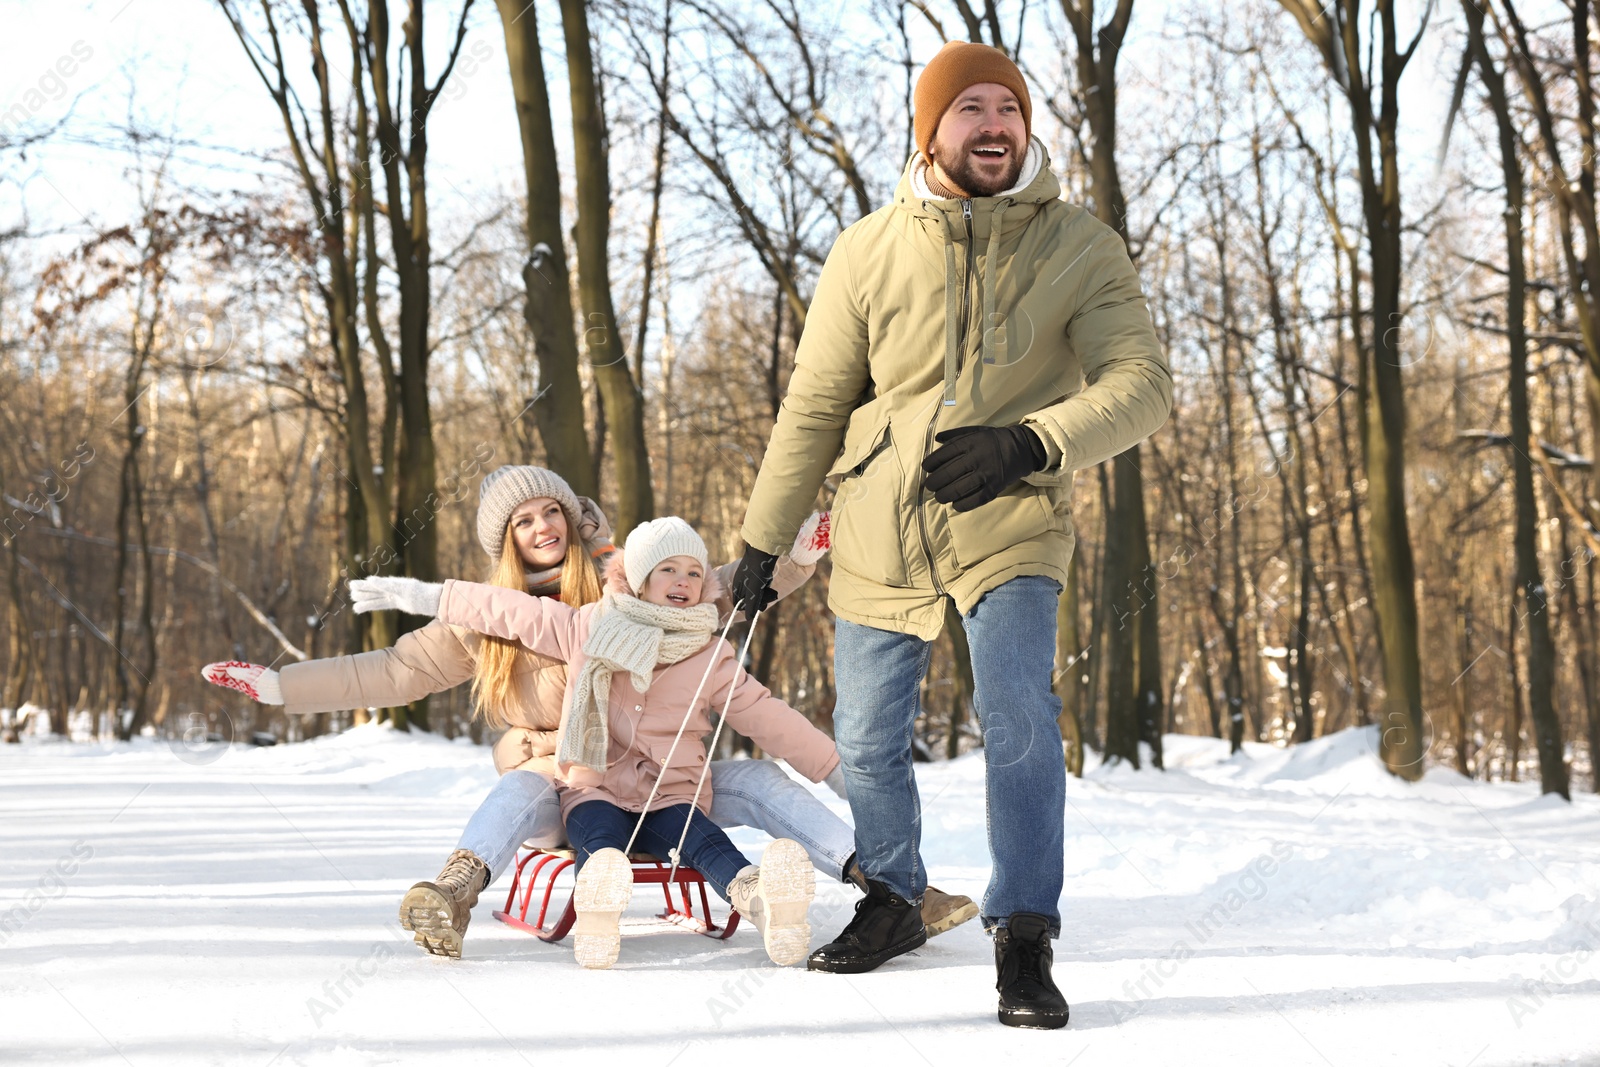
(1335, 31)
(558, 406)
(1530, 587)
(622, 404)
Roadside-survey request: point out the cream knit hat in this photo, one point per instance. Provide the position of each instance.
(656, 540)
(505, 487)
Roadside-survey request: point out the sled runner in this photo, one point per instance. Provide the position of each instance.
(549, 863)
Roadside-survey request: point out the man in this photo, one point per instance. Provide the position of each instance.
(968, 347)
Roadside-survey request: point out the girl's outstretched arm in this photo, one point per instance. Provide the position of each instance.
(542, 624)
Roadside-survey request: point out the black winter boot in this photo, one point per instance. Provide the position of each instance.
(941, 911)
(1022, 956)
(886, 925)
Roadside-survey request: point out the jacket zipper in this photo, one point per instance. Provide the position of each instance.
(966, 285)
(965, 320)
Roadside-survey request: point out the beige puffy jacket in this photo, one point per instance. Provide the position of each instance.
(931, 314)
(643, 725)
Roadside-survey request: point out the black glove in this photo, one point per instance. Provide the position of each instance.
(752, 581)
(975, 464)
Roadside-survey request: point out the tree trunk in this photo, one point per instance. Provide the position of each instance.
(658, 170)
(415, 537)
(558, 407)
(1335, 30)
(366, 507)
(1122, 635)
(1529, 581)
(966, 686)
(602, 340)
(130, 509)
(414, 478)
(1132, 647)
(1070, 671)
(19, 643)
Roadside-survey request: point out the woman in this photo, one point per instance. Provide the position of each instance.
(544, 539)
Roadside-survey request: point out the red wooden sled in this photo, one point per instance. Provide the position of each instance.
(550, 863)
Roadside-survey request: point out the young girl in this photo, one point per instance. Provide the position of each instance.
(636, 661)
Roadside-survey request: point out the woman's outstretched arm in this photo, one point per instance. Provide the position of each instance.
(421, 663)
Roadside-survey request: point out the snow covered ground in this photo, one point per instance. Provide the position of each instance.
(1285, 907)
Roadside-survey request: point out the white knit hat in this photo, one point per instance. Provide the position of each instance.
(656, 540)
(506, 487)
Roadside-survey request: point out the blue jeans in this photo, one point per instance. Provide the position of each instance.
(597, 824)
(757, 792)
(523, 806)
(878, 674)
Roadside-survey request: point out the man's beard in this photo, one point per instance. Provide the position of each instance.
(964, 176)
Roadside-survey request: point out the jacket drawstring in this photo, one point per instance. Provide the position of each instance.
(952, 313)
(994, 331)
(993, 344)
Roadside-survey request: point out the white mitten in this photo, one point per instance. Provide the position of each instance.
(812, 543)
(253, 680)
(835, 782)
(409, 595)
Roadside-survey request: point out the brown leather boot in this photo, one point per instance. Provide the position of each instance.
(941, 911)
(438, 911)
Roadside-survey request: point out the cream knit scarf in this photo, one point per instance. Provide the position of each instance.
(630, 635)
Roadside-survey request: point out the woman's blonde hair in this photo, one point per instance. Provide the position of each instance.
(497, 657)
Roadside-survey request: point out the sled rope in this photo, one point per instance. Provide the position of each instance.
(738, 666)
(682, 726)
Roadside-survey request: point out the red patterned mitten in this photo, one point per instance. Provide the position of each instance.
(812, 542)
(253, 680)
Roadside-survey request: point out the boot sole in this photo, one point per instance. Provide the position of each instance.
(868, 963)
(426, 911)
(952, 919)
(602, 891)
(788, 886)
(1034, 1020)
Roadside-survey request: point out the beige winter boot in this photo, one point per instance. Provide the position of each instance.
(945, 911)
(602, 891)
(776, 897)
(941, 911)
(438, 911)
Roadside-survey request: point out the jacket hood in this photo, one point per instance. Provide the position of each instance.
(616, 581)
(1044, 188)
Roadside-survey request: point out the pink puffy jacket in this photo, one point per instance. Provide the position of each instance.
(644, 724)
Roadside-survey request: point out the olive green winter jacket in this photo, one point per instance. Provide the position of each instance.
(931, 314)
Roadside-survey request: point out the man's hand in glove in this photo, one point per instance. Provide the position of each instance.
(396, 594)
(975, 464)
(752, 581)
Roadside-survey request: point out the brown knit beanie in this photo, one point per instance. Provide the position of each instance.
(957, 66)
(505, 487)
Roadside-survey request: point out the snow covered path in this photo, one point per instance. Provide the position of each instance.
(1281, 908)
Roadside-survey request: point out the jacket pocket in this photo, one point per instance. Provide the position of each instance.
(684, 769)
(1021, 513)
(867, 508)
(1057, 488)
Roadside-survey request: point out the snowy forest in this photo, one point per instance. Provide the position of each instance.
(285, 285)
(1368, 240)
